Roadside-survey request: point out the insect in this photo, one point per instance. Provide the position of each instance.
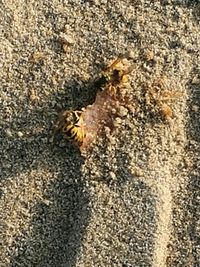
(82, 127)
(116, 73)
(69, 123)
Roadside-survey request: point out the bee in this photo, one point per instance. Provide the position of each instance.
(114, 74)
(71, 126)
(82, 127)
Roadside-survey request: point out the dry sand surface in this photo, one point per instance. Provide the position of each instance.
(133, 200)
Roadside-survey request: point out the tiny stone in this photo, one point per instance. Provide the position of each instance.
(137, 171)
(45, 140)
(51, 139)
(117, 122)
(112, 175)
(20, 134)
(107, 131)
(123, 111)
(8, 166)
(8, 132)
(131, 54)
(62, 143)
(195, 108)
(46, 202)
(149, 55)
(66, 39)
(195, 80)
(112, 140)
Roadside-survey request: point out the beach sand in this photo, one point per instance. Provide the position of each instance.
(134, 199)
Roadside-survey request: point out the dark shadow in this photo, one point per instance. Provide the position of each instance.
(58, 225)
(194, 5)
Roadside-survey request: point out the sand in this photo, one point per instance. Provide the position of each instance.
(133, 200)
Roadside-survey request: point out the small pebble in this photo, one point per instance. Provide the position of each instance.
(137, 171)
(195, 108)
(8, 132)
(20, 134)
(123, 111)
(131, 54)
(66, 39)
(118, 120)
(112, 175)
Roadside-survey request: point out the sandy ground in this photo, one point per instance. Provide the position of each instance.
(134, 200)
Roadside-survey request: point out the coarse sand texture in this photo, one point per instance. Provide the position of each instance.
(134, 199)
